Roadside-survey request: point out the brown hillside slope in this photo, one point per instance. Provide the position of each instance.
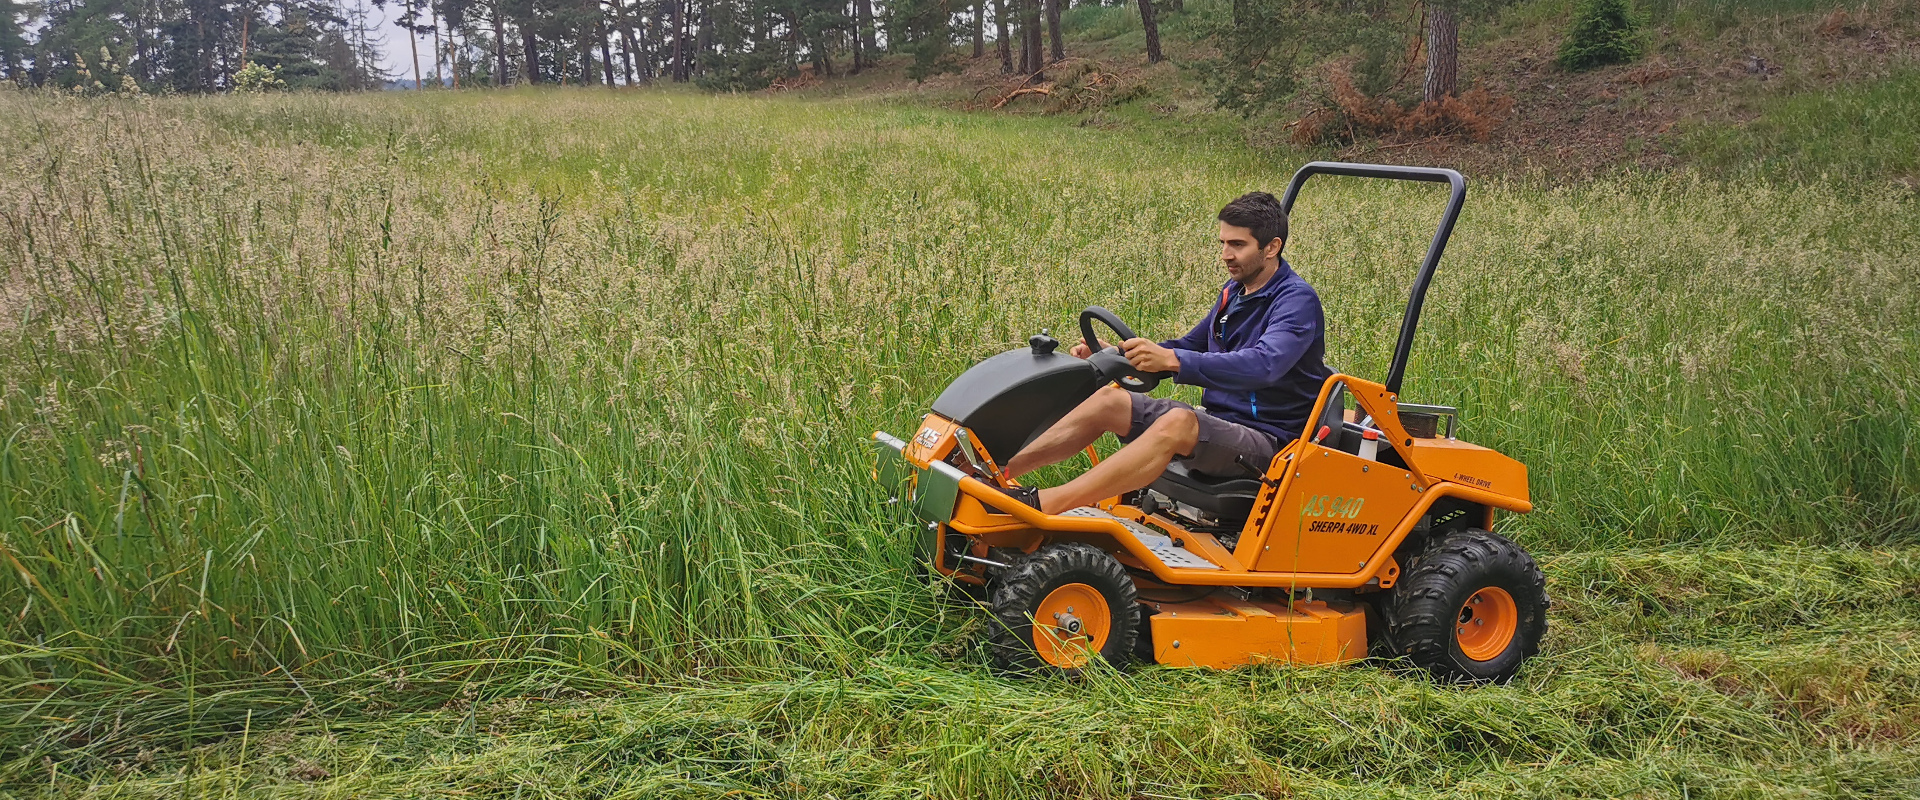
(1623, 115)
(1562, 124)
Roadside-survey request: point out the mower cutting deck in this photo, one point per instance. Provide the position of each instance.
(1371, 536)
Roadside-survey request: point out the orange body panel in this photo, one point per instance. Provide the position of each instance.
(1225, 632)
(1472, 466)
(932, 442)
(1337, 511)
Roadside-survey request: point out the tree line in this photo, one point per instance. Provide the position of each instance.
(201, 45)
(185, 45)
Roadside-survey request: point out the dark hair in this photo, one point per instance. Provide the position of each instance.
(1258, 212)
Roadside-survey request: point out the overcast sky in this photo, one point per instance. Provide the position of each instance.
(395, 57)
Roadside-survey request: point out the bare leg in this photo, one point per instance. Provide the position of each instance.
(1109, 410)
(1134, 466)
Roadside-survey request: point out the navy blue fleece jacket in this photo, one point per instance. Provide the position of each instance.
(1263, 364)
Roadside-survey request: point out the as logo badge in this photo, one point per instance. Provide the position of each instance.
(1326, 506)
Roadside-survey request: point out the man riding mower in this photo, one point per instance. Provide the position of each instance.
(1299, 515)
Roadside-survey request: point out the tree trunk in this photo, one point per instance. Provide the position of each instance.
(822, 60)
(679, 41)
(1030, 51)
(648, 51)
(626, 49)
(606, 54)
(868, 39)
(1026, 52)
(139, 29)
(206, 54)
(587, 78)
(499, 47)
(1053, 29)
(1443, 53)
(1000, 40)
(413, 45)
(453, 56)
(1038, 41)
(791, 46)
(703, 39)
(7, 61)
(1152, 28)
(979, 28)
(531, 45)
(606, 50)
(859, 58)
(433, 16)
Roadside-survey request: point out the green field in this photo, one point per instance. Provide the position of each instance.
(514, 445)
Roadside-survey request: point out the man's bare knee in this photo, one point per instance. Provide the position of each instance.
(1114, 408)
(1112, 395)
(1176, 432)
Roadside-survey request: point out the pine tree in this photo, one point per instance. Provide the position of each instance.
(14, 48)
(1604, 32)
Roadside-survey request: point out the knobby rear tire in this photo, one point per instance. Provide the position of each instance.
(1421, 613)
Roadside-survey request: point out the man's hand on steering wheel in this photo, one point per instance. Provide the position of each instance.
(1125, 364)
(1082, 350)
(1149, 357)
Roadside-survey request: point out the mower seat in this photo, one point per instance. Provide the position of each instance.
(1228, 499)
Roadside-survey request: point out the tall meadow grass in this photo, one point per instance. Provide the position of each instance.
(380, 401)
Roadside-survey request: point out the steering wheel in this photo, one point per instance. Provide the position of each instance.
(1112, 365)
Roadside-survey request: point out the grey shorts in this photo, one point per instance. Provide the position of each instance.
(1225, 450)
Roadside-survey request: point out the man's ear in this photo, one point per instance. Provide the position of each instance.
(1272, 250)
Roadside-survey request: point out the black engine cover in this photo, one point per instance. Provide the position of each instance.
(1009, 399)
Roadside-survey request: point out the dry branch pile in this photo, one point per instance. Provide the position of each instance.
(1342, 113)
(1074, 84)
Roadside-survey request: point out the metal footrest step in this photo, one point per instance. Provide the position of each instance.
(1160, 544)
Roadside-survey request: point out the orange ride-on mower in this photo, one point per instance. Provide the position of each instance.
(1371, 535)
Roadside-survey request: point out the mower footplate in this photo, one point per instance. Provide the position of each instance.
(1160, 544)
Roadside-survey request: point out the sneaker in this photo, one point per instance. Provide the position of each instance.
(1025, 494)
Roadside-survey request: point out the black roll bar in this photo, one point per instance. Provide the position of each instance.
(1404, 349)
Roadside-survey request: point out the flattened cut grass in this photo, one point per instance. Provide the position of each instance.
(1609, 710)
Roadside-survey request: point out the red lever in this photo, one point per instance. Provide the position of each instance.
(1324, 430)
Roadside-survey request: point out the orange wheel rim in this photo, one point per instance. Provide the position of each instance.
(1486, 622)
(1071, 625)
